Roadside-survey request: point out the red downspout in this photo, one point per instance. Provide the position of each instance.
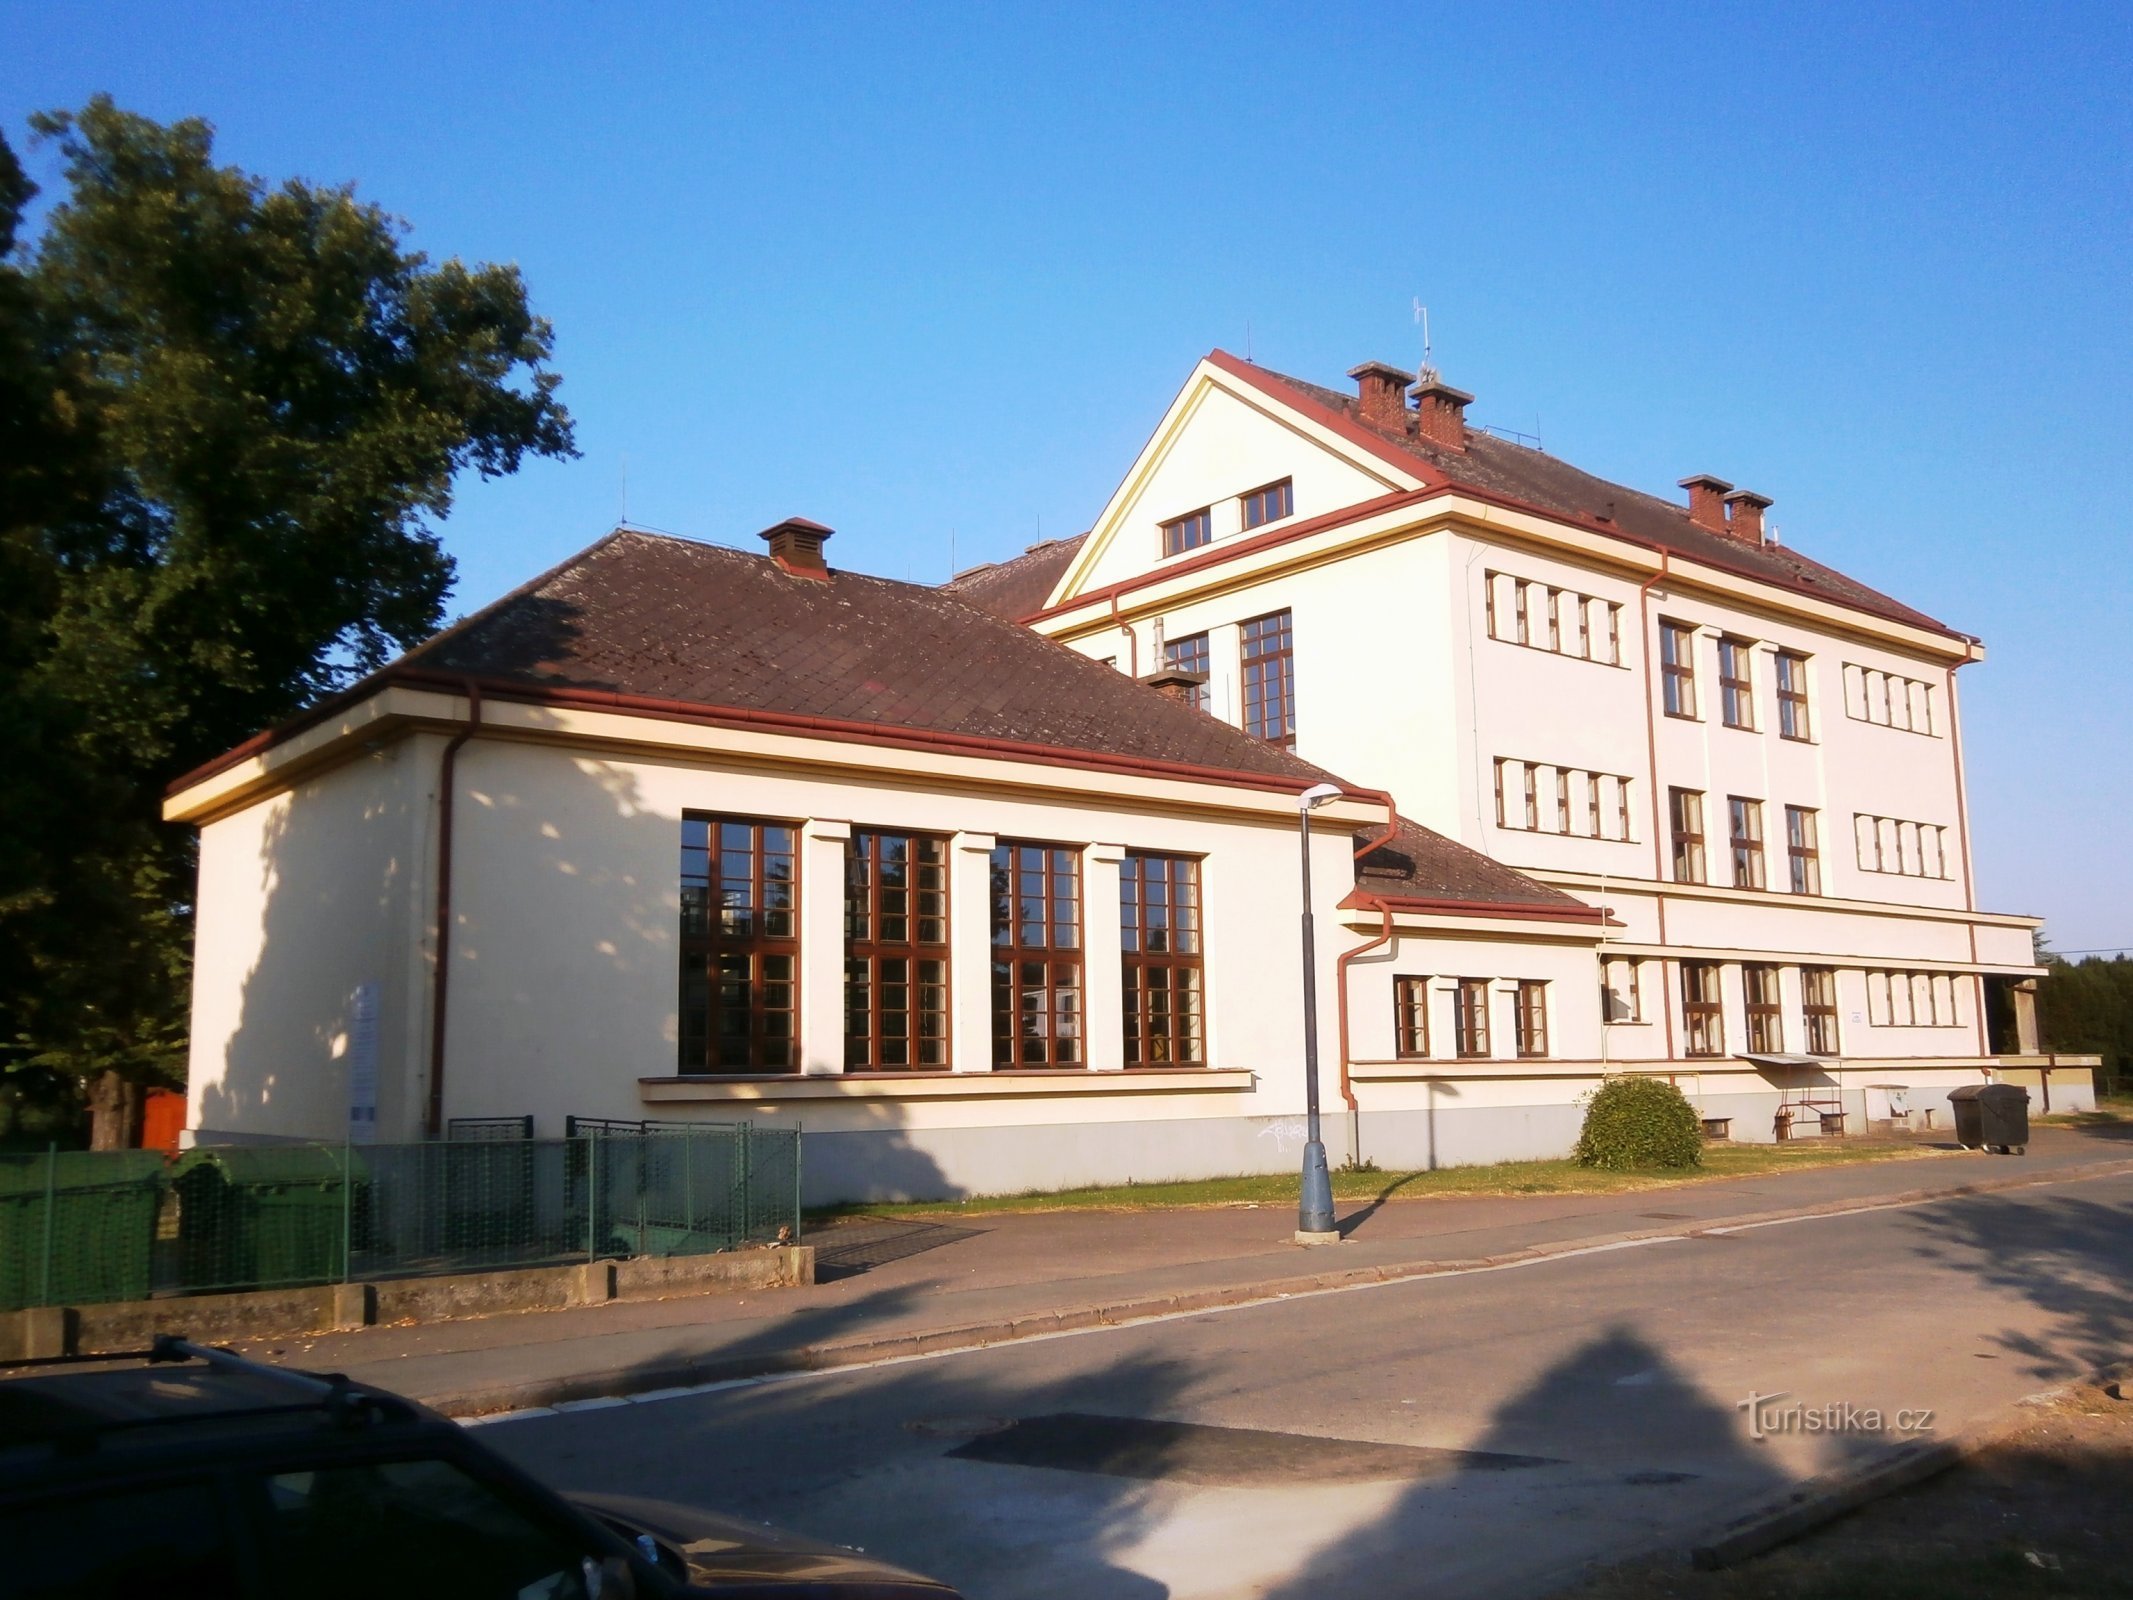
(1651, 754)
(1340, 967)
(441, 932)
(1133, 640)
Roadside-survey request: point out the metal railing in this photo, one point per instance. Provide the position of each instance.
(82, 1228)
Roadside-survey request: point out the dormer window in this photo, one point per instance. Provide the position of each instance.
(1188, 532)
(1270, 504)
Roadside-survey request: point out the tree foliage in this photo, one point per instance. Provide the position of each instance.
(231, 417)
(1639, 1122)
(2086, 1006)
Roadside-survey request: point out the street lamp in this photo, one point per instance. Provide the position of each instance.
(1314, 1211)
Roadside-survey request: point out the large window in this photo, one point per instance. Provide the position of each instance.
(1685, 811)
(1159, 937)
(1792, 696)
(1818, 995)
(1677, 668)
(1036, 956)
(1410, 1016)
(1188, 532)
(1270, 680)
(1766, 1016)
(895, 951)
(1532, 1017)
(1189, 654)
(1270, 504)
(1702, 1016)
(1470, 1017)
(1803, 851)
(740, 946)
(1744, 819)
(1736, 682)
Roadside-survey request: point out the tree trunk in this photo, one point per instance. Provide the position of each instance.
(114, 1112)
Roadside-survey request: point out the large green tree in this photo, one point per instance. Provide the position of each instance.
(231, 417)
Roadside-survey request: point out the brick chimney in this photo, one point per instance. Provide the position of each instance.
(1707, 504)
(796, 546)
(1745, 516)
(1383, 390)
(1440, 413)
(1180, 685)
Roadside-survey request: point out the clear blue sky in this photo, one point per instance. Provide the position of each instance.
(908, 269)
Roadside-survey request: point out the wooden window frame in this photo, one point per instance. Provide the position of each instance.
(1820, 1013)
(1530, 1018)
(1684, 815)
(1803, 850)
(1192, 654)
(709, 937)
(1470, 1019)
(1522, 610)
(1410, 1017)
(1152, 1039)
(1631, 993)
(1192, 531)
(1275, 666)
(1703, 1016)
(1285, 488)
(1744, 836)
(1794, 717)
(1763, 993)
(1062, 966)
(870, 915)
(1677, 670)
(1736, 682)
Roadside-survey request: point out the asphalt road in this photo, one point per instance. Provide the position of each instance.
(1479, 1435)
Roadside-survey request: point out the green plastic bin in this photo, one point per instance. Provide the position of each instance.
(78, 1227)
(268, 1216)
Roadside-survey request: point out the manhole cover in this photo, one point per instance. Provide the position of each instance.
(958, 1427)
(1190, 1452)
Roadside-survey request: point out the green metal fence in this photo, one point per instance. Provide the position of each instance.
(82, 1228)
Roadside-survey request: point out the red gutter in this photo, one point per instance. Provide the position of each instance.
(1363, 900)
(1340, 967)
(1133, 639)
(801, 724)
(440, 981)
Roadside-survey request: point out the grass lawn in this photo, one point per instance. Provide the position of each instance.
(2110, 1109)
(1508, 1177)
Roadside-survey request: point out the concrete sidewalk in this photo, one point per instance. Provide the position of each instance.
(891, 1286)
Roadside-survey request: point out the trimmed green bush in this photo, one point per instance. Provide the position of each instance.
(1640, 1122)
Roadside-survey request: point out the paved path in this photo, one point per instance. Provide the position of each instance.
(1474, 1434)
(992, 1277)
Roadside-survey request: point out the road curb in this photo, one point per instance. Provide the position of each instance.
(1821, 1500)
(696, 1371)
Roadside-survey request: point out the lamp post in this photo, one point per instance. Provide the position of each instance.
(1314, 1211)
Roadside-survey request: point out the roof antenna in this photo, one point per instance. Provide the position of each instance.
(1248, 338)
(951, 552)
(1429, 373)
(625, 489)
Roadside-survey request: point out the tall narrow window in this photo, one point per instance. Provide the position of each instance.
(1470, 1017)
(1745, 823)
(1803, 852)
(1614, 634)
(1818, 996)
(740, 946)
(1532, 1018)
(1555, 620)
(895, 951)
(1036, 956)
(1677, 668)
(1410, 1017)
(1189, 655)
(1188, 532)
(1792, 696)
(1532, 809)
(1621, 989)
(1703, 1019)
(1159, 941)
(1685, 810)
(1736, 682)
(1766, 1017)
(1522, 600)
(1270, 680)
(1270, 504)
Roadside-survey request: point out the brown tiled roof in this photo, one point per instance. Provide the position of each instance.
(1533, 478)
(1014, 589)
(650, 617)
(1416, 864)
